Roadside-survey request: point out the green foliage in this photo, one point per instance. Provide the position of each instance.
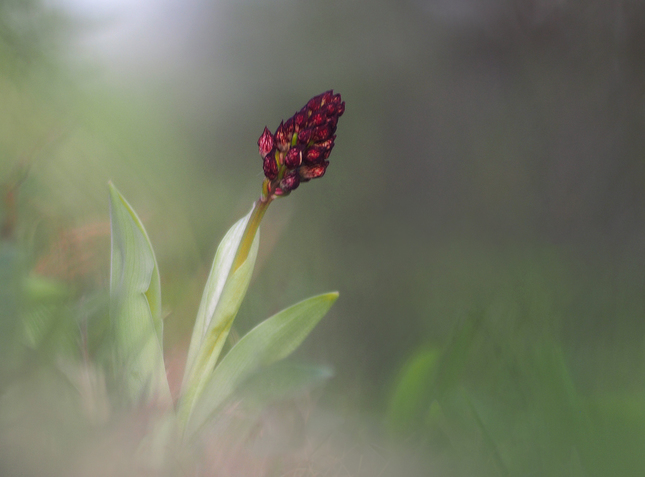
(504, 395)
(270, 341)
(135, 313)
(37, 322)
(46, 322)
(221, 300)
(135, 307)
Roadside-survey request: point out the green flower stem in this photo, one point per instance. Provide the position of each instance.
(259, 208)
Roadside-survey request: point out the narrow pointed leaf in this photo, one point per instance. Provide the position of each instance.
(135, 307)
(223, 295)
(279, 381)
(270, 341)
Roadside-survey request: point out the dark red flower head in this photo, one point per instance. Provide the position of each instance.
(299, 149)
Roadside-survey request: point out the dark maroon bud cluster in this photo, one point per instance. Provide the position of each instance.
(300, 147)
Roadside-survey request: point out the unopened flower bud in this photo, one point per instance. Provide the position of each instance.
(290, 181)
(304, 136)
(282, 142)
(270, 167)
(315, 103)
(314, 155)
(300, 119)
(289, 127)
(327, 96)
(312, 172)
(265, 143)
(318, 118)
(328, 144)
(321, 133)
(293, 158)
(330, 109)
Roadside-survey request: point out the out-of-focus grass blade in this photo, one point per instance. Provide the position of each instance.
(221, 300)
(456, 355)
(488, 441)
(135, 307)
(414, 390)
(270, 341)
(430, 375)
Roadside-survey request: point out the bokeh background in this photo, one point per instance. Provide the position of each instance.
(482, 216)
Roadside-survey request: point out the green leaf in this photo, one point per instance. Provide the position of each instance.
(223, 295)
(279, 381)
(135, 307)
(270, 341)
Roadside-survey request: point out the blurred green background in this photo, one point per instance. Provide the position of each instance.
(482, 216)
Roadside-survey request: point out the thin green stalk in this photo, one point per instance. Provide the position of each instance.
(260, 206)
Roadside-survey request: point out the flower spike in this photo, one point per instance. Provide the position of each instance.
(300, 147)
(296, 153)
